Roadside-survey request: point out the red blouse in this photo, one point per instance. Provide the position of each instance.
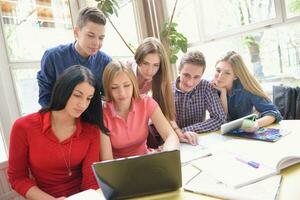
(36, 157)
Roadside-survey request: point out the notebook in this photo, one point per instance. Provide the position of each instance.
(265, 134)
(238, 163)
(267, 189)
(139, 175)
(233, 170)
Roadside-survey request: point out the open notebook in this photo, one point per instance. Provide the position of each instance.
(267, 189)
(241, 162)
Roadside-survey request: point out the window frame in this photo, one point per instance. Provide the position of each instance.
(10, 104)
(280, 19)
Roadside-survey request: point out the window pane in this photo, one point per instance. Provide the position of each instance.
(113, 45)
(273, 59)
(3, 154)
(46, 22)
(27, 89)
(223, 15)
(185, 17)
(292, 8)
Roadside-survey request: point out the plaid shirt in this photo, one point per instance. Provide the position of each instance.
(191, 108)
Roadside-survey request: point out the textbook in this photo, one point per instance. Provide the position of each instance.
(241, 162)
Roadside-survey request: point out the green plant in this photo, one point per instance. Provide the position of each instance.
(249, 40)
(294, 6)
(174, 40)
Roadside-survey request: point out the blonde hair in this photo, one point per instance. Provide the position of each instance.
(161, 82)
(243, 74)
(111, 71)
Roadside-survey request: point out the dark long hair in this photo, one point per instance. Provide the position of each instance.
(64, 87)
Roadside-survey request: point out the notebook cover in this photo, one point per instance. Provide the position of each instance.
(264, 134)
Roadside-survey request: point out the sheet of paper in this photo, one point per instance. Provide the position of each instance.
(87, 194)
(189, 152)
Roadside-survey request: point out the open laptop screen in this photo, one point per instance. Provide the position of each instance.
(139, 175)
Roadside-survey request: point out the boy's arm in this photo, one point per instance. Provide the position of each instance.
(46, 78)
(217, 115)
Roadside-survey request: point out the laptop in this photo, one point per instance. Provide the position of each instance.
(235, 124)
(139, 175)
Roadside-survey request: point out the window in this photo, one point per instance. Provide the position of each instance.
(292, 8)
(267, 39)
(233, 15)
(3, 152)
(186, 18)
(27, 88)
(29, 28)
(113, 45)
(42, 20)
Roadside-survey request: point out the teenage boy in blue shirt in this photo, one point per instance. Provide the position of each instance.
(89, 33)
(194, 97)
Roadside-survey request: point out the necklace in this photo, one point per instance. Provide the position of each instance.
(68, 164)
(58, 131)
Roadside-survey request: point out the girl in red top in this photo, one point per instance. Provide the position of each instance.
(126, 115)
(51, 151)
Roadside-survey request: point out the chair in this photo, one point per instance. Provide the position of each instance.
(6, 192)
(287, 100)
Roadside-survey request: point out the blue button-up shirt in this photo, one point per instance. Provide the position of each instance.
(241, 103)
(191, 108)
(57, 59)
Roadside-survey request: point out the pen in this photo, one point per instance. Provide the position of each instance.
(250, 163)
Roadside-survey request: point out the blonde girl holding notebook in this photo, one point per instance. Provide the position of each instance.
(127, 113)
(241, 93)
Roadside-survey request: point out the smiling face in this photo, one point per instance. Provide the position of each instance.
(89, 38)
(190, 76)
(149, 66)
(121, 89)
(224, 75)
(80, 99)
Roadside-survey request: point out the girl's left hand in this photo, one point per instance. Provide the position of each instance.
(252, 129)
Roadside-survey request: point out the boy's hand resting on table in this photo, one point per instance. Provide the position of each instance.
(189, 137)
